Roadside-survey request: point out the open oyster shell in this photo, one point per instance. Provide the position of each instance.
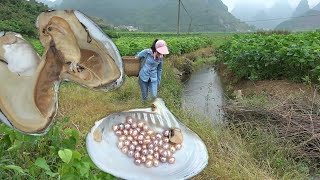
(101, 145)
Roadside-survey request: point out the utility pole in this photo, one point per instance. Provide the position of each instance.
(178, 30)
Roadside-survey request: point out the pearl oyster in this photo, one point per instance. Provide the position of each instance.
(75, 49)
(101, 145)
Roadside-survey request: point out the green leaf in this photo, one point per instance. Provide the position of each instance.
(65, 155)
(76, 155)
(42, 163)
(15, 168)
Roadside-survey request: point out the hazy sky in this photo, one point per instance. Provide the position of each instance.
(293, 3)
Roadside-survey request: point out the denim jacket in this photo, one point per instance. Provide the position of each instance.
(152, 68)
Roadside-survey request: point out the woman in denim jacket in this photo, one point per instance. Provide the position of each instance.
(151, 70)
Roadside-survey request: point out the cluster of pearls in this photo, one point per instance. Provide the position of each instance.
(147, 147)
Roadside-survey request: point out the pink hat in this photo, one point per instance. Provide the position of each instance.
(161, 47)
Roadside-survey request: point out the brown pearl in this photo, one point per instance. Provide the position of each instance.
(144, 146)
(166, 133)
(178, 146)
(118, 133)
(150, 151)
(124, 149)
(146, 141)
(156, 162)
(129, 119)
(156, 155)
(140, 124)
(127, 126)
(132, 147)
(165, 140)
(144, 152)
(138, 148)
(136, 155)
(120, 144)
(171, 160)
(163, 159)
(143, 158)
(135, 143)
(130, 138)
(122, 138)
(150, 132)
(166, 146)
(134, 125)
(137, 161)
(130, 153)
(126, 142)
(150, 157)
(125, 132)
(121, 126)
(149, 163)
(143, 133)
(153, 137)
(115, 128)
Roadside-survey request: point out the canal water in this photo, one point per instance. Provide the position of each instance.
(203, 95)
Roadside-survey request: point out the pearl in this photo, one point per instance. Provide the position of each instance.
(144, 152)
(126, 142)
(145, 127)
(148, 137)
(124, 149)
(138, 129)
(156, 155)
(160, 143)
(130, 153)
(166, 146)
(132, 147)
(137, 161)
(158, 136)
(178, 146)
(169, 153)
(140, 124)
(115, 128)
(118, 133)
(129, 119)
(120, 144)
(163, 159)
(136, 155)
(150, 146)
(140, 142)
(143, 159)
(172, 149)
(164, 153)
(143, 133)
(121, 126)
(160, 150)
(125, 132)
(134, 132)
(138, 148)
(130, 131)
(156, 149)
(130, 138)
(155, 142)
(166, 140)
(149, 163)
(135, 143)
(156, 162)
(150, 132)
(150, 151)
(153, 137)
(171, 160)
(122, 138)
(144, 146)
(140, 138)
(150, 157)
(146, 141)
(127, 126)
(134, 125)
(166, 133)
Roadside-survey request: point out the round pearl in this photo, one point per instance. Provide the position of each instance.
(143, 133)
(136, 155)
(158, 136)
(178, 146)
(153, 137)
(156, 149)
(130, 138)
(156, 162)
(145, 128)
(135, 143)
(143, 159)
(146, 141)
(140, 142)
(160, 143)
(127, 126)
(138, 148)
(126, 142)
(134, 125)
(130, 131)
(163, 159)
(118, 133)
(164, 153)
(166, 140)
(155, 142)
(166, 133)
(124, 149)
(132, 147)
(115, 128)
(140, 124)
(122, 138)
(120, 144)
(169, 153)
(125, 132)
(140, 138)
(166, 146)
(149, 163)
(172, 149)
(137, 161)
(130, 153)
(129, 119)
(144, 152)
(134, 132)
(150, 146)
(150, 132)
(150, 151)
(121, 126)
(138, 129)
(171, 160)
(144, 146)
(150, 157)
(156, 155)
